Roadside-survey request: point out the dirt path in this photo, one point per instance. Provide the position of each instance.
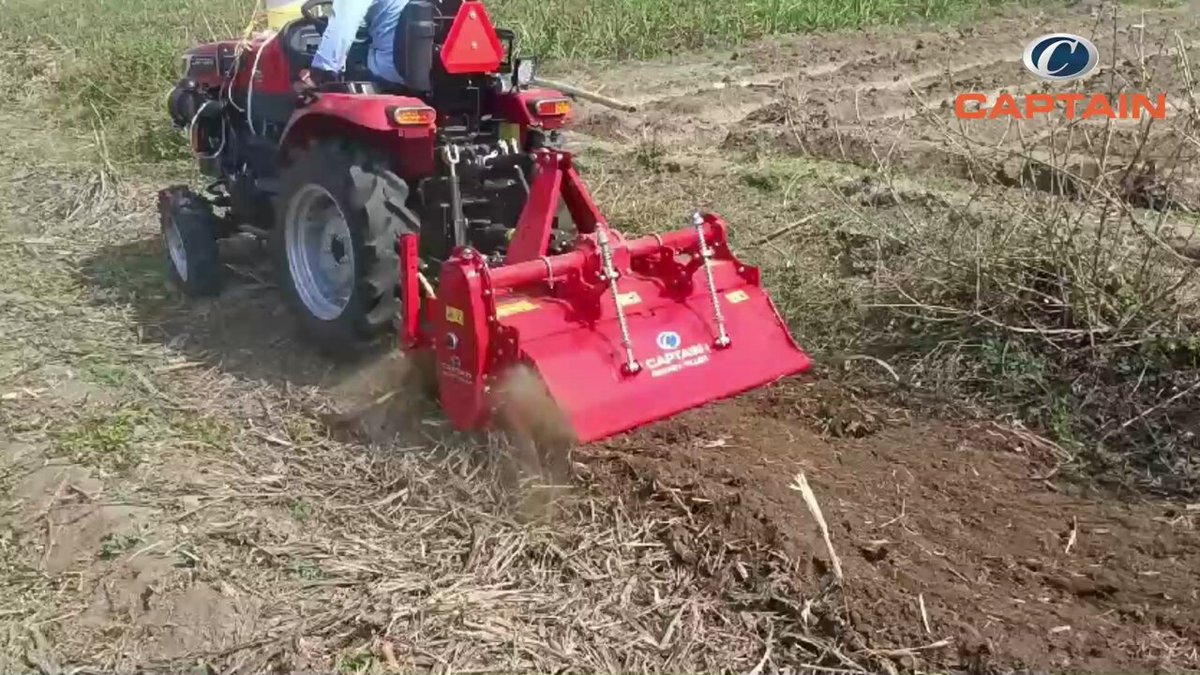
(172, 491)
(886, 97)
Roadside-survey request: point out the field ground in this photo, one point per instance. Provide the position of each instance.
(182, 495)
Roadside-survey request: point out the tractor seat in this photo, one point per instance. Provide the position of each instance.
(301, 39)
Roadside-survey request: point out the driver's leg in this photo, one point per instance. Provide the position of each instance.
(377, 66)
(386, 86)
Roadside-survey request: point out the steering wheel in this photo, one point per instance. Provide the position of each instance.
(309, 11)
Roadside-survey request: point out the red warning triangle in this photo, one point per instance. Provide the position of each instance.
(472, 45)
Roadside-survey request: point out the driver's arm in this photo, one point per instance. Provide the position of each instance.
(339, 36)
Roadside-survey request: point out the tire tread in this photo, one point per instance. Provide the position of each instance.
(373, 201)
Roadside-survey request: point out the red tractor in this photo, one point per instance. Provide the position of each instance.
(435, 211)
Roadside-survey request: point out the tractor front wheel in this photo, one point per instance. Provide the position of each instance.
(189, 242)
(338, 219)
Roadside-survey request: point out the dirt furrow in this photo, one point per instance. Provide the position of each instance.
(895, 96)
(944, 531)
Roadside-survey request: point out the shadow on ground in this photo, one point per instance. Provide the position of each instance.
(247, 331)
(380, 397)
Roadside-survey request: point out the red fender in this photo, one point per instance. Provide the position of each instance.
(366, 119)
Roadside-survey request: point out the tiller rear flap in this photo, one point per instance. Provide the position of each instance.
(622, 332)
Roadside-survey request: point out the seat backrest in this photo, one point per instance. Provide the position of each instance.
(300, 40)
(413, 48)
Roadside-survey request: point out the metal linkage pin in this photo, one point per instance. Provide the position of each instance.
(453, 157)
(631, 364)
(706, 253)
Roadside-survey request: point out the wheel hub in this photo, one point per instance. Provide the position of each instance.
(337, 248)
(319, 252)
(175, 249)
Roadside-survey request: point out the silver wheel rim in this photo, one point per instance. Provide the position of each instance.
(175, 249)
(320, 252)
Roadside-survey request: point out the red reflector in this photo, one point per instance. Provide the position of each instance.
(552, 107)
(472, 45)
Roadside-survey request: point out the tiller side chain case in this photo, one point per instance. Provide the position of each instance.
(622, 332)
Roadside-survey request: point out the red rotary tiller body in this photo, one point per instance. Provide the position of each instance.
(623, 332)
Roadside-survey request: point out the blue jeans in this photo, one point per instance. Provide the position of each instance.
(385, 85)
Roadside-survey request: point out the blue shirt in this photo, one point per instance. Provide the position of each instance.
(381, 16)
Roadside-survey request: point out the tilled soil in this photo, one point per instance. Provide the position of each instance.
(952, 535)
(947, 534)
(249, 541)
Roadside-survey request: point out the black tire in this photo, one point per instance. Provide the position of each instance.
(189, 242)
(372, 200)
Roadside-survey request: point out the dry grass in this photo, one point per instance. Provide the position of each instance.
(220, 521)
(1065, 295)
(423, 550)
(239, 533)
(645, 28)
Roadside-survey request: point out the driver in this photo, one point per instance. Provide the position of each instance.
(382, 18)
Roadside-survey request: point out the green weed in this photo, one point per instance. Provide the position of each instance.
(764, 181)
(204, 430)
(649, 155)
(114, 544)
(1062, 422)
(127, 274)
(302, 510)
(354, 664)
(106, 442)
(307, 570)
(108, 374)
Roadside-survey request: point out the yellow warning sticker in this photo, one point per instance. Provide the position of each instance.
(737, 297)
(629, 299)
(455, 315)
(518, 307)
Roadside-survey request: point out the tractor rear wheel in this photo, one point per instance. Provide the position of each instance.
(339, 214)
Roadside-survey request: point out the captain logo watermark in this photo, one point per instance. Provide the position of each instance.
(1058, 58)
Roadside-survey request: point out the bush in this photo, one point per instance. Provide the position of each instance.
(1077, 313)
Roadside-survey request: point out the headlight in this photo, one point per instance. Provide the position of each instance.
(527, 70)
(185, 64)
